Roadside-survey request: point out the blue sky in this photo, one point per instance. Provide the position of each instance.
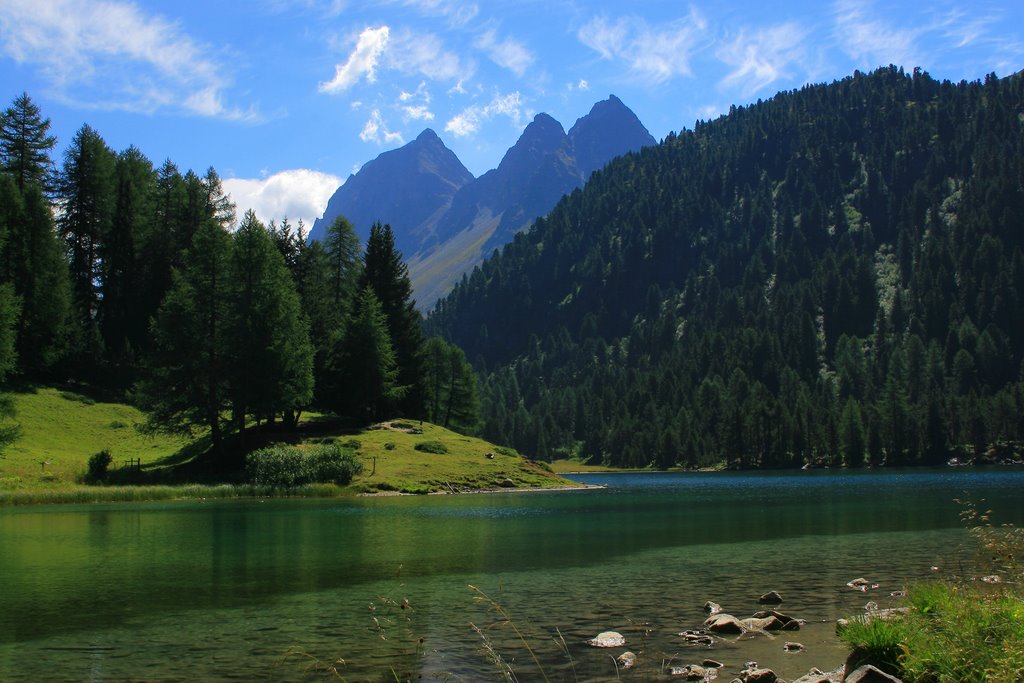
(287, 98)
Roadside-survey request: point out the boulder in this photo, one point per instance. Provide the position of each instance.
(607, 639)
(870, 674)
(712, 607)
(770, 598)
(627, 660)
(765, 624)
(788, 622)
(758, 676)
(815, 676)
(723, 623)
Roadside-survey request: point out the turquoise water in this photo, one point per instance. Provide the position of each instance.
(227, 589)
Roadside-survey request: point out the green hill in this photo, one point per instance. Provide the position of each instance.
(60, 430)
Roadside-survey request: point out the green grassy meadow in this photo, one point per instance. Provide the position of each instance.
(60, 430)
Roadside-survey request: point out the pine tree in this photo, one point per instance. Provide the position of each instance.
(386, 274)
(449, 387)
(270, 357)
(86, 197)
(186, 384)
(25, 145)
(366, 384)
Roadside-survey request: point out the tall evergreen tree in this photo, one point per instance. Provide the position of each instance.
(25, 144)
(388, 276)
(449, 387)
(86, 197)
(366, 374)
(270, 356)
(186, 382)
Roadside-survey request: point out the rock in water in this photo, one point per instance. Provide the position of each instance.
(758, 676)
(793, 647)
(627, 660)
(870, 674)
(770, 598)
(692, 672)
(723, 623)
(712, 607)
(607, 639)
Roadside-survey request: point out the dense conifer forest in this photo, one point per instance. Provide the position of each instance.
(833, 276)
(137, 282)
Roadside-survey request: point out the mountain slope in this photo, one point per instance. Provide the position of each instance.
(412, 186)
(445, 224)
(835, 275)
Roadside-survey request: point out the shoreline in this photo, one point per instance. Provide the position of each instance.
(525, 489)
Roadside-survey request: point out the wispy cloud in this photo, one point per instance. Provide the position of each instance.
(108, 54)
(426, 55)
(361, 62)
(872, 42)
(508, 54)
(655, 52)
(761, 57)
(455, 12)
(376, 130)
(295, 194)
(469, 120)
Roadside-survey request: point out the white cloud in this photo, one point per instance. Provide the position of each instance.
(425, 54)
(763, 57)
(508, 54)
(361, 62)
(376, 130)
(417, 112)
(656, 53)
(110, 54)
(295, 194)
(583, 85)
(470, 119)
(872, 42)
(421, 93)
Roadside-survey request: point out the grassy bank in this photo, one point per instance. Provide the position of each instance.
(969, 629)
(60, 430)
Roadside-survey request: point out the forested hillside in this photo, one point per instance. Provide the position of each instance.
(833, 276)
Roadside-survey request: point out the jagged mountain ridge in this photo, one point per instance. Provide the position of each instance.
(446, 222)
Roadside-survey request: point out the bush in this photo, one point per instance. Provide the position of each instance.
(292, 466)
(432, 447)
(389, 446)
(353, 444)
(99, 465)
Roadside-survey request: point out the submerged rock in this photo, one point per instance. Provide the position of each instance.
(788, 623)
(697, 638)
(770, 598)
(692, 672)
(607, 639)
(860, 583)
(723, 623)
(627, 660)
(764, 624)
(793, 647)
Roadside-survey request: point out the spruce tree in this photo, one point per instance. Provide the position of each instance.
(449, 387)
(388, 276)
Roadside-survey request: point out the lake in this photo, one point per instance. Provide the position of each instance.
(274, 589)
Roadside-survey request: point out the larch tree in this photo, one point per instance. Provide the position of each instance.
(270, 357)
(25, 144)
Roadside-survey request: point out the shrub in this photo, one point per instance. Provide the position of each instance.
(353, 444)
(292, 466)
(389, 446)
(432, 447)
(99, 465)
(510, 452)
